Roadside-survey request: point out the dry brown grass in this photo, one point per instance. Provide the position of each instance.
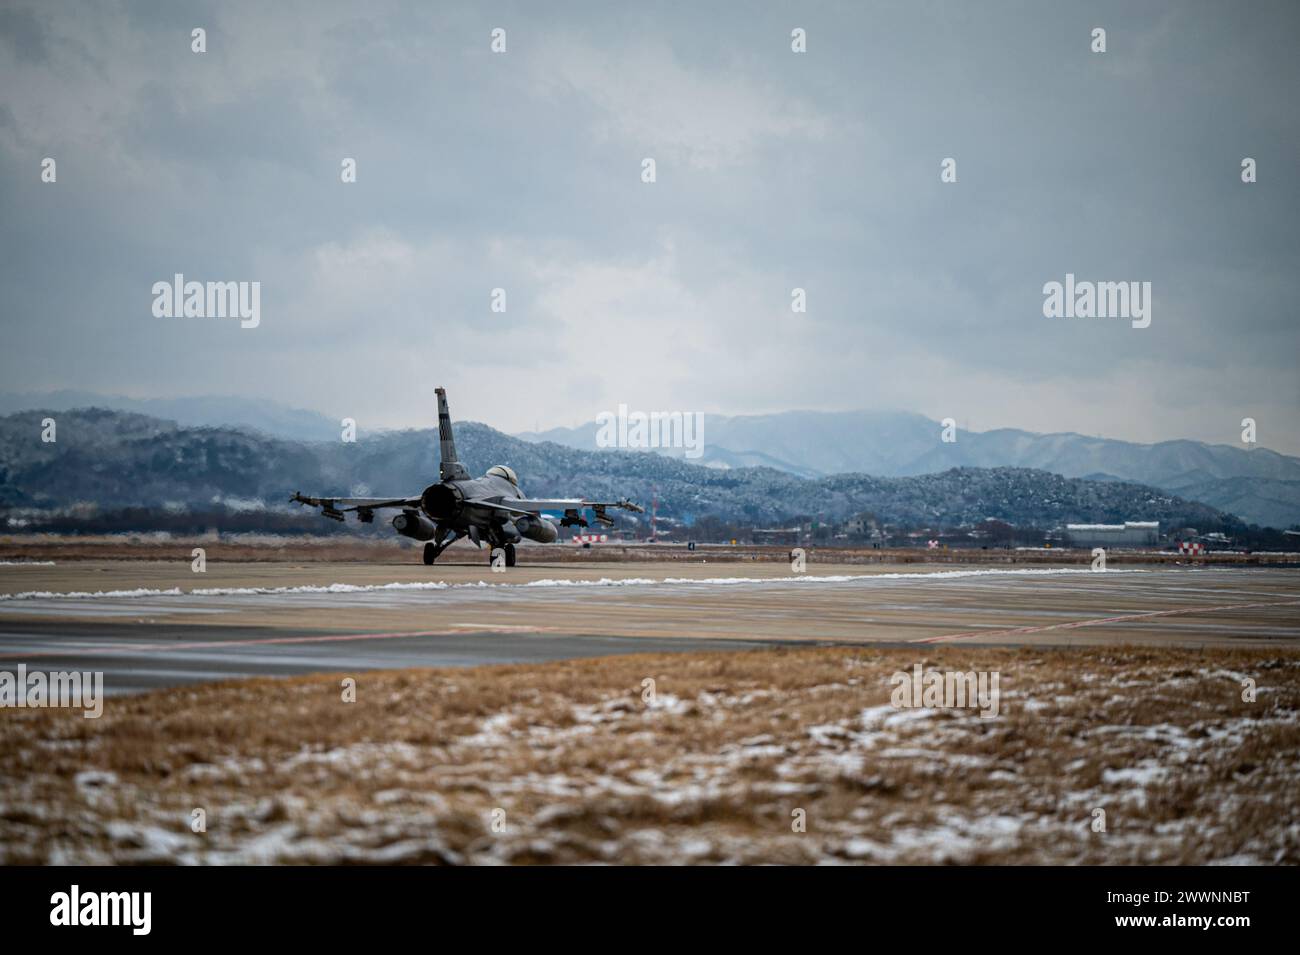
(585, 771)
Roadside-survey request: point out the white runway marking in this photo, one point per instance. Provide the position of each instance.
(800, 580)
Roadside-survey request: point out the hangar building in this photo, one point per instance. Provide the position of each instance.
(1128, 534)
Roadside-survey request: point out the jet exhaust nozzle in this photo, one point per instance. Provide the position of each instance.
(440, 501)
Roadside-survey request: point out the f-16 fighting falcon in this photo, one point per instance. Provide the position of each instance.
(490, 508)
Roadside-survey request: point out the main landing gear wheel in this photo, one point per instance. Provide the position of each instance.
(510, 555)
(430, 553)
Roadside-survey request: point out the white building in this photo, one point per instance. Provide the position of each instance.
(1128, 534)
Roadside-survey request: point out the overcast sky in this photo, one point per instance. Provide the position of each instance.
(775, 170)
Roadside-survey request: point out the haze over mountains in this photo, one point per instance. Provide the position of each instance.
(210, 411)
(1258, 485)
(121, 460)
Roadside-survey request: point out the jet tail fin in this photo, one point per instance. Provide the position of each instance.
(449, 467)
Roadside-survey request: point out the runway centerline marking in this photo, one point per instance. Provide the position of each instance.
(1096, 621)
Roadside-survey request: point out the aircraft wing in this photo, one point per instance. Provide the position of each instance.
(333, 507)
(501, 506)
(569, 505)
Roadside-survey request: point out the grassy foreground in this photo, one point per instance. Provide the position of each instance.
(578, 762)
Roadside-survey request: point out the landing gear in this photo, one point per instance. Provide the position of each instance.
(510, 555)
(431, 552)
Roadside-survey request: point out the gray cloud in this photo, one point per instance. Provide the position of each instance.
(775, 170)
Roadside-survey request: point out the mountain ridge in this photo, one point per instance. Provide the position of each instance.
(1251, 483)
(124, 459)
(899, 444)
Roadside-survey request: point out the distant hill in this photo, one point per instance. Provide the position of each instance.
(898, 444)
(807, 443)
(119, 459)
(1255, 500)
(1253, 484)
(210, 411)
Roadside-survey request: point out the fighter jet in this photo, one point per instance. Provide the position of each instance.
(491, 508)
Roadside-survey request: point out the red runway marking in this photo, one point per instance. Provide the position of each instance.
(1099, 620)
(262, 641)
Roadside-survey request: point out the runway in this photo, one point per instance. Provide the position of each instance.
(149, 624)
